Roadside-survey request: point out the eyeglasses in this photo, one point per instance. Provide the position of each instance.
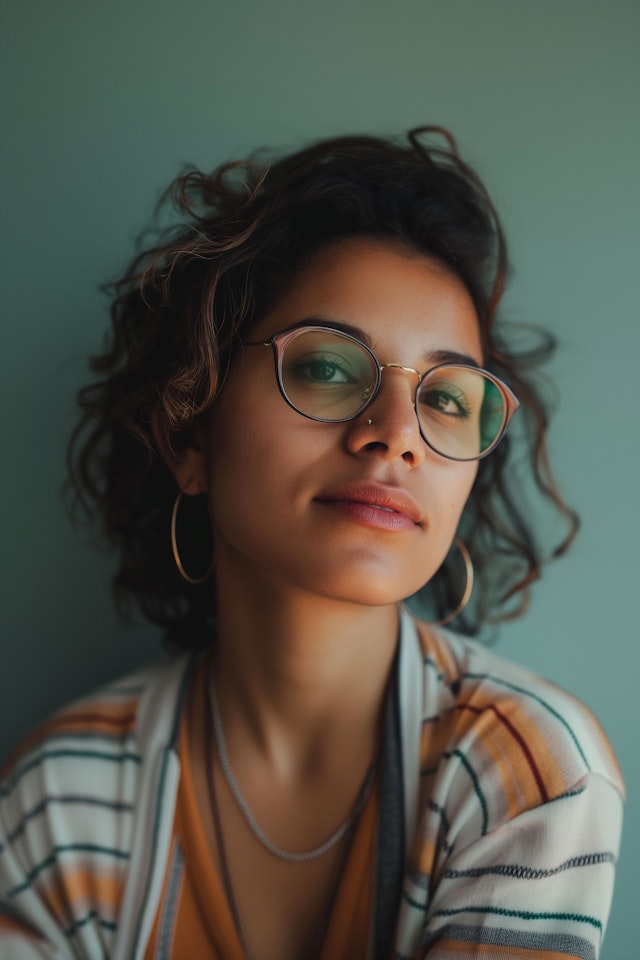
(330, 376)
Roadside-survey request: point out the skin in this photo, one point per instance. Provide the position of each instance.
(308, 591)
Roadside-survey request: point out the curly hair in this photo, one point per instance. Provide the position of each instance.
(239, 238)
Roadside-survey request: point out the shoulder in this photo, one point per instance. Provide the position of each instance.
(512, 732)
(519, 808)
(68, 795)
(102, 725)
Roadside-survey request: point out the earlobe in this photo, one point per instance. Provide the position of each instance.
(188, 465)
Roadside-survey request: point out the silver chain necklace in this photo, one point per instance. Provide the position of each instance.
(288, 855)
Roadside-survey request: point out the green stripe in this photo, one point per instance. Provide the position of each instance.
(160, 800)
(431, 663)
(19, 772)
(154, 841)
(92, 915)
(414, 903)
(522, 915)
(76, 847)
(534, 696)
(476, 786)
(568, 795)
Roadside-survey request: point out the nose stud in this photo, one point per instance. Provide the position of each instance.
(369, 423)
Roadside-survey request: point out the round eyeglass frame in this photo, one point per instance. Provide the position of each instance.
(278, 343)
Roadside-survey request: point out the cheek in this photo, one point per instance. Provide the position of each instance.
(461, 492)
(236, 490)
(254, 458)
(447, 496)
(456, 485)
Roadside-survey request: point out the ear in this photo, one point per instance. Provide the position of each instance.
(188, 465)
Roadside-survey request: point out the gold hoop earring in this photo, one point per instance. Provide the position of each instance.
(176, 553)
(468, 587)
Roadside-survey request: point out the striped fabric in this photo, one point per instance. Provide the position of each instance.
(522, 807)
(66, 825)
(512, 801)
(194, 919)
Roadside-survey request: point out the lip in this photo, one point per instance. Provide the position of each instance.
(386, 499)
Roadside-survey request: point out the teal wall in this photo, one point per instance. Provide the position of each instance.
(102, 103)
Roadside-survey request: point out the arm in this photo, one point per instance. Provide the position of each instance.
(22, 928)
(538, 885)
(27, 928)
(66, 820)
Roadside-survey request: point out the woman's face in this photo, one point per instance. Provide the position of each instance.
(354, 511)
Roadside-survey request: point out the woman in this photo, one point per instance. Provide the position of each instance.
(300, 424)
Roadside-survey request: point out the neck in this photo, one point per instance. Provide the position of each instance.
(295, 670)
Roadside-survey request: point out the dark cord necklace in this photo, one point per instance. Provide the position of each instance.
(321, 931)
(288, 855)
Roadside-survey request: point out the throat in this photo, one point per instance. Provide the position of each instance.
(281, 908)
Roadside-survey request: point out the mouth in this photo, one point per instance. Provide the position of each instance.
(375, 505)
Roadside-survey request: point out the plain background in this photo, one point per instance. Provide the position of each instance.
(102, 104)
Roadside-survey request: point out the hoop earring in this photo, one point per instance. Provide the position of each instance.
(468, 587)
(176, 553)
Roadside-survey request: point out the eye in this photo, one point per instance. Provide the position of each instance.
(447, 399)
(322, 368)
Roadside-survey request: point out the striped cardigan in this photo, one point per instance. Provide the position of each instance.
(508, 807)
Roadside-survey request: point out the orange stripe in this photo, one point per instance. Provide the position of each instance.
(423, 855)
(85, 886)
(520, 791)
(459, 948)
(9, 925)
(436, 737)
(516, 747)
(527, 727)
(109, 718)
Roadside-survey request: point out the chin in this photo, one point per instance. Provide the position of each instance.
(372, 589)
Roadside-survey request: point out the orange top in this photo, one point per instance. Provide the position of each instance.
(194, 918)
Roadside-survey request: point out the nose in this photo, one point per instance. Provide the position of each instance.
(389, 426)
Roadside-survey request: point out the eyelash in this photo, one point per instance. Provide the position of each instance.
(304, 367)
(464, 407)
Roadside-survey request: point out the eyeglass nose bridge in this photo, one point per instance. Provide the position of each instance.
(400, 366)
(371, 392)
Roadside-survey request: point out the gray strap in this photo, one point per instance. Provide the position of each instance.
(390, 866)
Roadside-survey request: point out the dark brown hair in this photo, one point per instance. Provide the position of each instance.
(239, 238)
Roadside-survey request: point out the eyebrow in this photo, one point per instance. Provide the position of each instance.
(431, 357)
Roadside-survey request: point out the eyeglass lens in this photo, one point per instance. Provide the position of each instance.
(327, 375)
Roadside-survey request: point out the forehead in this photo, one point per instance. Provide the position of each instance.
(404, 302)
